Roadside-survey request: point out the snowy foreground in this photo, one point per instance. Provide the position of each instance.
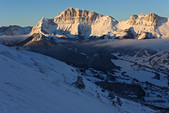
(33, 83)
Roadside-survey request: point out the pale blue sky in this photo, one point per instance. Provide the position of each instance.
(29, 12)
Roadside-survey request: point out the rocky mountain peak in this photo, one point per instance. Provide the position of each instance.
(151, 19)
(72, 16)
(85, 24)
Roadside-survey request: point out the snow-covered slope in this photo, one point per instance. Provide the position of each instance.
(33, 83)
(138, 67)
(44, 26)
(15, 30)
(103, 26)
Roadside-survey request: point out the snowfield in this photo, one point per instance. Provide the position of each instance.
(34, 83)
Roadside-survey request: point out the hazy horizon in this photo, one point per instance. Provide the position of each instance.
(28, 13)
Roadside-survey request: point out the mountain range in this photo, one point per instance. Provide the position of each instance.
(76, 60)
(83, 24)
(14, 30)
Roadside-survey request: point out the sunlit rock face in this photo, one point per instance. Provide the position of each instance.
(72, 16)
(144, 20)
(76, 23)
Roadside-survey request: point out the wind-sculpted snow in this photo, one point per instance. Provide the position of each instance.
(141, 65)
(33, 83)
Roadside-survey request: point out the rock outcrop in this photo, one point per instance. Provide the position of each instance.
(72, 16)
(145, 20)
(146, 26)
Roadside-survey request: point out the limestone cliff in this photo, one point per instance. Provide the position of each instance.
(145, 20)
(72, 16)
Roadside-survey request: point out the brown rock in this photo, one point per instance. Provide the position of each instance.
(145, 20)
(72, 16)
